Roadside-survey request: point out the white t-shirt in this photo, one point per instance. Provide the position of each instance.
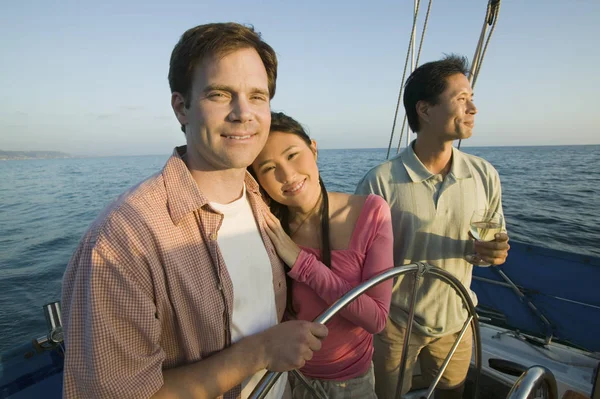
(249, 267)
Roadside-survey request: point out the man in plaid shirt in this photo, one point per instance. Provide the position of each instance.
(176, 290)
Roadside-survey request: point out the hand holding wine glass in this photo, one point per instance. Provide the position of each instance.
(491, 243)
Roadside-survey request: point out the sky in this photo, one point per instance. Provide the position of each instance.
(90, 78)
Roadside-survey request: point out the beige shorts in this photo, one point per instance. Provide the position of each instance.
(430, 351)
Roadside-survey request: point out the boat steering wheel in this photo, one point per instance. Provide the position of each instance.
(419, 270)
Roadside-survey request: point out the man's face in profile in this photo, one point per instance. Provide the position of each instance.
(453, 117)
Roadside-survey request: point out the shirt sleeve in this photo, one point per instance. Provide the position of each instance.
(112, 333)
(364, 186)
(370, 184)
(371, 309)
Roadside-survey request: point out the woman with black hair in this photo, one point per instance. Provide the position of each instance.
(331, 242)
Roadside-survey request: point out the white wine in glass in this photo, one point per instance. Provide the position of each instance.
(485, 224)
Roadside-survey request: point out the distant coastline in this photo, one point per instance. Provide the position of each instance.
(19, 155)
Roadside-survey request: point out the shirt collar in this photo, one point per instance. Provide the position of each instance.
(183, 194)
(460, 168)
(418, 172)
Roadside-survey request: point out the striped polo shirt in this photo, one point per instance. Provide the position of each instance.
(431, 216)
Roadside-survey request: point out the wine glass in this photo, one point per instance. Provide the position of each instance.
(484, 226)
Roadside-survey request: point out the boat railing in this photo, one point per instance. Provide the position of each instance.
(418, 270)
(54, 324)
(536, 380)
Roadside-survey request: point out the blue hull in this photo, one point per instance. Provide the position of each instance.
(564, 287)
(28, 372)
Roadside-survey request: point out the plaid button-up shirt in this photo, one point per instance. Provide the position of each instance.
(147, 288)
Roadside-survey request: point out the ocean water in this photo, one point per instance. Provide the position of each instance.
(550, 197)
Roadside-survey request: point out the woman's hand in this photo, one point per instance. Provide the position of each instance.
(287, 249)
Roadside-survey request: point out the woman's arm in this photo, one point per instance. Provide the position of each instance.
(368, 311)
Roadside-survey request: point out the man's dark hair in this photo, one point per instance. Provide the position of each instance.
(215, 40)
(427, 82)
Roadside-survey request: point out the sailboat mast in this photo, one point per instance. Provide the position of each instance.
(491, 18)
(413, 62)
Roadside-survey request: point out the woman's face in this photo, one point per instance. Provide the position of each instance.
(287, 170)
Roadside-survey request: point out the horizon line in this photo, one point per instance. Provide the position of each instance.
(75, 155)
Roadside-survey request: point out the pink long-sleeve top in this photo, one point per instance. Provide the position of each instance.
(348, 349)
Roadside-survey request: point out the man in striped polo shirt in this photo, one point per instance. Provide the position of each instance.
(433, 189)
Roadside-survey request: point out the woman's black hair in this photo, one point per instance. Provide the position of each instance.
(282, 123)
